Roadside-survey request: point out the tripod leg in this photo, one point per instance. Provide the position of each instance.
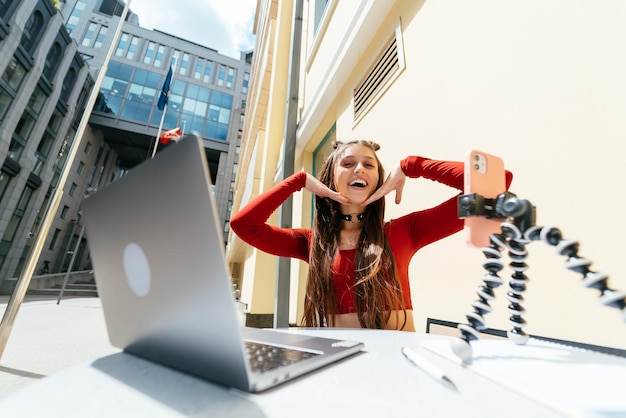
(596, 280)
(517, 284)
(470, 332)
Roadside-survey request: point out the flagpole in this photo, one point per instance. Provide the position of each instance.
(156, 140)
(10, 313)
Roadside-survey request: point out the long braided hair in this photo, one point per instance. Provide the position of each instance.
(376, 286)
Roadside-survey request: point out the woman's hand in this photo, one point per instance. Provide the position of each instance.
(318, 188)
(395, 181)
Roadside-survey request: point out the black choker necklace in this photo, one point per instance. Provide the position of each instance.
(350, 217)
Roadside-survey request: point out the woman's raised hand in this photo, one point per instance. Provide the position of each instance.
(394, 181)
(318, 188)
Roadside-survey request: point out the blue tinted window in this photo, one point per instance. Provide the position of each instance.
(178, 87)
(192, 91)
(218, 116)
(132, 91)
(114, 88)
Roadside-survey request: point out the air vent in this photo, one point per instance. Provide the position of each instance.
(386, 68)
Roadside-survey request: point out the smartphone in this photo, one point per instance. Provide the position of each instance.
(484, 175)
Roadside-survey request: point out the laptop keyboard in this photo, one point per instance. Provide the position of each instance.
(264, 357)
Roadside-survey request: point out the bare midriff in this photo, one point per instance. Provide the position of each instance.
(396, 320)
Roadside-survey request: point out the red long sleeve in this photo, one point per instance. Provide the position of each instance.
(250, 222)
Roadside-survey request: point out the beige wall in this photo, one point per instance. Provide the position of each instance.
(541, 84)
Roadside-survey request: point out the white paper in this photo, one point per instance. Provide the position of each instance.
(577, 381)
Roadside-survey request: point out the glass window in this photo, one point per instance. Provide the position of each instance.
(230, 77)
(31, 31)
(221, 77)
(195, 107)
(14, 74)
(64, 211)
(55, 121)
(16, 147)
(132, 48)
(324, 149)
(158, 59)
(207, 71)
(175, 58)
(14, 222)
(4, 183)
(45, 145)
(55, 237)
(184, 64)
(37, 100)
(74, 18)
(174, 104)
(147, 59)
(11, 228)
(80, 168)
(218, 117)
(141, 95)
(114, 88)
(39, 163)
(99, 155)
(100, 38)
(198, 72)
(91, 31)
(25, 125)
(71, 23)
(121, 44)
(5, 103)
(52, 61)
(246, 81)
(68, 84)
(5, 6)
(320, 8)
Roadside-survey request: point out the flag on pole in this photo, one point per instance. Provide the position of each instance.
(171, 135)
(165, 91)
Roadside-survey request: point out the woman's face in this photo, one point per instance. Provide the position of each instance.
(356, 173)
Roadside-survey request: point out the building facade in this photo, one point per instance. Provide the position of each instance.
(49, 59)
(539, 84)
(44, 88)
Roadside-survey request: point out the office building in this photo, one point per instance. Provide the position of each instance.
(49, 59)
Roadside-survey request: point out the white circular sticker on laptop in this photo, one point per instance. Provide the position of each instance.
(136, 269)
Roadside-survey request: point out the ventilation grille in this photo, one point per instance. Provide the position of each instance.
(378, 78)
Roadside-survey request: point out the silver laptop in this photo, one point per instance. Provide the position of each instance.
(157, 250)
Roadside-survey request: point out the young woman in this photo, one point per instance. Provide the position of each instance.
(358, 263)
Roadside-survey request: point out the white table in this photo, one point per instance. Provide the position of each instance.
(378, 382)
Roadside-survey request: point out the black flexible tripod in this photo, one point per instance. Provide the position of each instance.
(517, 230)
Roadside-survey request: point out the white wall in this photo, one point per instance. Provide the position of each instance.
(541, 83)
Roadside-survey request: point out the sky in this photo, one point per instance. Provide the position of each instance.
(224, 25)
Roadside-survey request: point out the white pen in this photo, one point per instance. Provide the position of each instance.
(427, 367)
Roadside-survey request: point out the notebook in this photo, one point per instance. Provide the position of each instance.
(157, 251)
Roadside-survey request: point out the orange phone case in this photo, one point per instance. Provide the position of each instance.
(484, 175)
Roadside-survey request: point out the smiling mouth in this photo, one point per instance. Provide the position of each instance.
(358, 183)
